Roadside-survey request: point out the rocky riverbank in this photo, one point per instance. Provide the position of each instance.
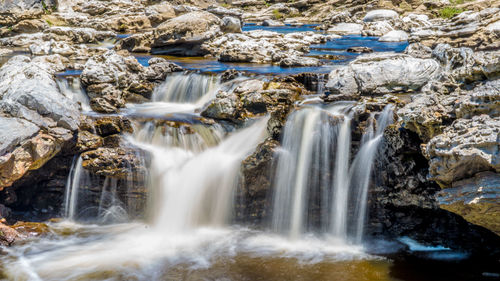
(437, 174)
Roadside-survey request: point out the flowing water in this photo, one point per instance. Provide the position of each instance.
(193, 172)
(309, 183)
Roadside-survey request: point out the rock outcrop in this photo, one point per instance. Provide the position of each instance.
(31, 99)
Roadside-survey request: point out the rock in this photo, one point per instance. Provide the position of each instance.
(359, 50)
(377, 15)
(30, 26)
(394, 36)
(418, 50)
(382, 73)
(8, 235)
(5, 52)
(272, 23)
(14, 131)
(346, 29)
(465, 65)
(12, 11)
(224, 106)
(139, 43)
(113, 78)
(299, 61)
(483, 99)
(113, 162)
(230, 24)
(494, 28)
(159, 13)
(262, 46)
(377, 28)
(184, 35)
(255, 183)
(476, 199)
(467, 147)
(224, 12)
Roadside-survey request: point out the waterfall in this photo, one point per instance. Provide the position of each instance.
(72, 89)
(315, 185)
(185, 88)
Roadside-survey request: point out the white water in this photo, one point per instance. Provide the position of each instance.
(192, 179)
(73, 90)
(313, 137)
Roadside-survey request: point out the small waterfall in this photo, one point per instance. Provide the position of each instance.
(192, 186)
(77, 176)
(185, 88)
(72, 89)
(315, 185)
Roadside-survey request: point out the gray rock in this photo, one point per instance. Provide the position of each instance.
(13, 131)
(231, 24)
(382, 73)
(476, 199)
(483, 99)
(346, 28)
(467, 147)
(377, 15)
(394, 36)
(30, 83)
(272, 23)
(184, 35)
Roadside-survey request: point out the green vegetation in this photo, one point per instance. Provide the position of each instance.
(49, 22)
(277, 15)
(449, 12)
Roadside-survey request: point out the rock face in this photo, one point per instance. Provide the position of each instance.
(381, 74)
(467, 147)
(30, 99)
(394, 36)
(184, 35)
(476, 199)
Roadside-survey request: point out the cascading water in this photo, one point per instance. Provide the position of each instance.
(314, 186)
(73, 90)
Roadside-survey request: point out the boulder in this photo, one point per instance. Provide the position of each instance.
(382, 73)
(12, 11)
(184, 35)
(346, 28)
(377, 15)
(467, 147)
(112, 78)
(477, 199)
(37, 120)
(230, 24)
(394, 36)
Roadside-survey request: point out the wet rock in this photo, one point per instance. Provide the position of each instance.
(467, 147)
(377, 15)
(8, 235)
(87, 141)
(255, 183)
(394, 36)
(113, 162)
(299, 61)
(31, 229)
(110, 125)
(224, 106)
(381, 74)
(184, 35)
(476, 199)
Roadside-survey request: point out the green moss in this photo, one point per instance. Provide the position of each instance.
(449, 12)
(49, 22)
